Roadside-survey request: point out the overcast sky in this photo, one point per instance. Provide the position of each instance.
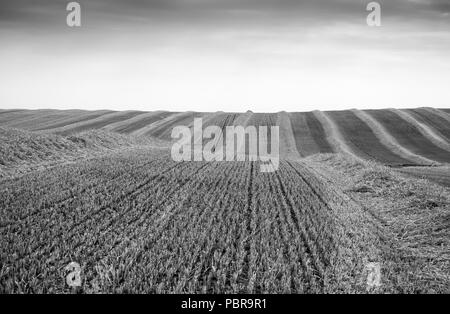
(230, 55)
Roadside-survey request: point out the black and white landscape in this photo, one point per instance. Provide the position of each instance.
(98, 98)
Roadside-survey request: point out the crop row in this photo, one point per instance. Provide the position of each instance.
(157, 226)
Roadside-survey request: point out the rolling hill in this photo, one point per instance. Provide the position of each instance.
(100, 188)
(396, 138)
(370, 135)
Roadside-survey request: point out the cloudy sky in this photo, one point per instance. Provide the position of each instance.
(230, 55)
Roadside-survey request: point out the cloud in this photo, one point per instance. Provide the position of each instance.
(47, 12)
(147, 51)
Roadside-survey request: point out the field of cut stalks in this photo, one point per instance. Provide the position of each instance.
(342, 205)
(138, 222)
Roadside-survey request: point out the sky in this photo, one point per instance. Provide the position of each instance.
(224, 55)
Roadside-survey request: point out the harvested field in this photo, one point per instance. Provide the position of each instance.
(2, 111)
(137, 122)
(97, 123)
(222, 228)
(164, 130)
(282, 237)
(309, 134)
(23, 151)
(263, 119)
(363, 141)
(70, 119)
(409, 137)
(410, 215)
(220, 119)
(440, 175)
(39, 120)
(34, 118)
(432, 120)
(408, 146)
(138, 222)
(17, 116)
